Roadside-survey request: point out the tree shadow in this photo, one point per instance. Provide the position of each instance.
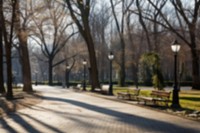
(9, 106)
(7, 127)
(134, 120)
(24, 124)
(42, 123)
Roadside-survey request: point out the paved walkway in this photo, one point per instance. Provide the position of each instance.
(64, 111)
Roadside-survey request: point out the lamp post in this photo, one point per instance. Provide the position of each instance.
(84, 75)
(36, 72)
(110, 57)
(14, 77)
(175, 98)
(45, 77)
(67, 75)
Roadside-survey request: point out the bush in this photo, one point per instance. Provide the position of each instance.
(149, 70)
(157, 83)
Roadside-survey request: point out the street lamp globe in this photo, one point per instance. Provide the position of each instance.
(110, 56)
(67, 67)
(84, 62)
(175, 46)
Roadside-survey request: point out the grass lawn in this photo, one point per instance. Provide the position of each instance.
(189, 99)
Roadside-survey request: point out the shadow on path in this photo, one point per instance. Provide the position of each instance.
(26, 125)
(44, 124)
(7, 127)
(142, 122)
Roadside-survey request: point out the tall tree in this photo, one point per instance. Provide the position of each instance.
(151, 28)
(54, 21)
(133, 46)
(80, 16)
(8, 46)
(120, 25)
(143, 24)
(22, 34)
(99, 21)
(189, 16)
(2, 88)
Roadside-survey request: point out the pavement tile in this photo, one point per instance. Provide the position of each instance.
(65, 111)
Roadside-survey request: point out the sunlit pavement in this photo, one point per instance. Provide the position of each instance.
(65, 111)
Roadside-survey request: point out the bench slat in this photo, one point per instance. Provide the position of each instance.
(131, 93)
(156, 96)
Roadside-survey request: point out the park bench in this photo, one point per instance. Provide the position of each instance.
(156, 97)
(130, 94)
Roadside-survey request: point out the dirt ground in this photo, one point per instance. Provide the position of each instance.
(21, 100)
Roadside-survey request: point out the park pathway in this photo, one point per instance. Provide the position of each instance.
(65, 111)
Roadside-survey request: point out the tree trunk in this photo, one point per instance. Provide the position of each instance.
(26, 69)
(2, 88)
(122, 65)
(84, 29)
(135, 75)
(93, 63)
(195, 57)
(8, 47)
(22, 34)
(142, 22)
(195, 70)
(9, 71)
(50, 71)
(121, 35)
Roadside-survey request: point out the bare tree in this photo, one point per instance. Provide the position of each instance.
(80, 13)
(99, 27)
(120, 25)
(133, 46)
(55, 21)
(8, 36)
(22, 31)
(142, 22)
(2, 88)
(189, 16)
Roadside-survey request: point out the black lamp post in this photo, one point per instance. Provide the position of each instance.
(14, 77)
(110, 57)
(175, 98)
(67, 75)
(36, 72)
(84, 75)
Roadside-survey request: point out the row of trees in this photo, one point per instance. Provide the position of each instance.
(157, 18)
(127, 27)
(15, 34)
